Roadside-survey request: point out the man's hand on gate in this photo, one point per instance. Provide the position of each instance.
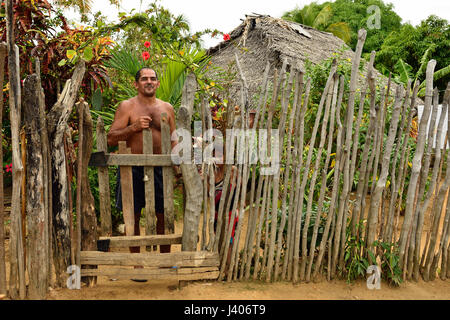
(143, 122)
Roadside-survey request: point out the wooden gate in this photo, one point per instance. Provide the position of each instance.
(182, 265)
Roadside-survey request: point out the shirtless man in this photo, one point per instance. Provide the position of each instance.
(134, 115)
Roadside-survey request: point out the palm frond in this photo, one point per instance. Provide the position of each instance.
(424, 60)
(403, 70)
(124, 61)
(323, 16)
(340, 30)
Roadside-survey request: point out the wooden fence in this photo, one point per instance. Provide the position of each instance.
(309, 217)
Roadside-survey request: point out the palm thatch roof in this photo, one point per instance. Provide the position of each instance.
(261, 38)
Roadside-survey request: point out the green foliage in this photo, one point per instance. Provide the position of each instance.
(319, 17)
(415, 46)
(357, 259)
(345, 17)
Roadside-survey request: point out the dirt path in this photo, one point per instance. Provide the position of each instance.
(254, 290)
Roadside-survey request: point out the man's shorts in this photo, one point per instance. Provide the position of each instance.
(139, 189)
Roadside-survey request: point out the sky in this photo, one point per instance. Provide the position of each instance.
(226, 15)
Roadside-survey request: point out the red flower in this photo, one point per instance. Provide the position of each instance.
(147, 44)
(226, 37)
(145, 55)
(8, 167)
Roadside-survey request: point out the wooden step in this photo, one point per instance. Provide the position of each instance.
(138, 241)
(183, 259)
(186, 274)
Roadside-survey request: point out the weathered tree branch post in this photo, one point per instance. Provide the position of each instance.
(191, 177)
(57, 118)
(103, 183)
(417, 162)
(37, 221)
(17, 268)
(2, 212)
(88, 216)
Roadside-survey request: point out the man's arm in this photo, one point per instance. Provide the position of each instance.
(120, 130)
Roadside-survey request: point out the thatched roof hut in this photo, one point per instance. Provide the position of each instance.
(260, 39)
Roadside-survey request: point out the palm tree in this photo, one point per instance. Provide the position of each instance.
(312, 15)
(83, 6)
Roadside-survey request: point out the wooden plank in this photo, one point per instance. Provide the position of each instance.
(103, 183)
(126, 184)
(154, 273)
(166, 146)
(138, 241)
(150, 213)
(160, 160)
(179, 259)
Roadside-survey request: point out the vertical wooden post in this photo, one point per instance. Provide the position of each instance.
(88, 216)
(103, 183)
(189, 171)
(37, 243)
(56, 123)
(126, 184)
(17, 268)
(417, 162)
(80, 105)
(166, 148)
(2, 212)
(150, 213)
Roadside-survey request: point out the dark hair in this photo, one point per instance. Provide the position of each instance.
(138, 74)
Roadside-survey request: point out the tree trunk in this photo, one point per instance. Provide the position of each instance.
(37, 241)
(57, 119)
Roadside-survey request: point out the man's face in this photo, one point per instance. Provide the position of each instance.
(148, 83)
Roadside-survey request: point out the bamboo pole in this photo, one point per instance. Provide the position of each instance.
(416, 165)
(2, 211)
